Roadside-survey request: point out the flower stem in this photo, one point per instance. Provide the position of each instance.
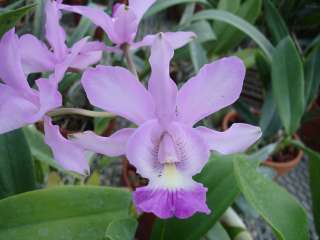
(126, 50)
(78, 111)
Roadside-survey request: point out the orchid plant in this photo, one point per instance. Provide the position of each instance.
(168, 146)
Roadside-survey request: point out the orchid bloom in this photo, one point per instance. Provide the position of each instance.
(166, 148)
(22, 105)
(37, 57)
(122, 26)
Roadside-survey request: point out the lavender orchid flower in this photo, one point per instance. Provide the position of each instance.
(122, 26)
(22, 105)
(36, 57)
(166, 148)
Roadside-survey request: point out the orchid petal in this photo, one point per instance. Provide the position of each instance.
(116, 90)
(97, 16)
(112, 146)
(164, 203)
(62, 67)
(161, 86)
(35, 55)
(142, 149)
(126, 25)
(11, 71)
(192, 150)
(55, 34)
(140, 7)
(14, 109)
(176, 39)
(236, 139)
(67, 153)
(216, 86)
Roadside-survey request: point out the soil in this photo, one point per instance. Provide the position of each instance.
(286, 155)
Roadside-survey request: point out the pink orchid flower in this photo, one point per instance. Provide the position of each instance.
(37, 57)
(22, 105)
(122, 26)
(166, 148)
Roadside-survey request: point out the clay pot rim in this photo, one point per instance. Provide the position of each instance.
(227, 118)
(269, 162)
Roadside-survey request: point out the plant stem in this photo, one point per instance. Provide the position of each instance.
(231, 221)
(126, 50)
(78, 111)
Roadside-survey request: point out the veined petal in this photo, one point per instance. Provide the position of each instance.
(126, 24)
(55, 34)
(236, 139)
(11, 71)
(193, 152)
(97, 16)
(166, 203)
(216, 86)
(143, 147)
(15, 110)
(112, 146)
(161, 86)
(66, 153)
(176, 39)
(35, 55)
(140, 7)
(116, 90)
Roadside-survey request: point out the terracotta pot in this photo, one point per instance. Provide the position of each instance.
(229, 118)
(280, 167)
(283, 168)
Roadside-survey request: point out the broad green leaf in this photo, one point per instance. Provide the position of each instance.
(198, 56)
(230, 37)
(161, 5)
(16, 165)
(243, 109)
(62, 213)
(276, 24)
(312, 76)
(218, 177)
(288, 84)
(39, 149)
(314, 172)
(9, 19)
(239, 23)
(188, 13)
(248, 56)
(276, 206)
(270, 122)
(123, 229)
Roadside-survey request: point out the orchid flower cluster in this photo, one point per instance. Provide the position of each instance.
(166, 147)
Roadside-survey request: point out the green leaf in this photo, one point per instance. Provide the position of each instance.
(230, 37)
(16, 165)
(218, 177)
(276, 206)
(9, 19)
(203, 31)
(62, 213)
(276, 24)
(314, 172)
(270, 122)
(312, 76)
(123, 229)
(198, 56)
(161, 5)
(39, 19)
(39, 149)
(239, 23)
(288, 84)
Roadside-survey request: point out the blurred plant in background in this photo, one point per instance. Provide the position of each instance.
(279, 43)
